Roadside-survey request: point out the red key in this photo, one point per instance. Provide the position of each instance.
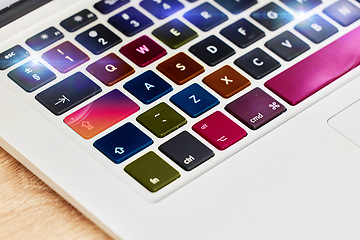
(143, 51)
(219, 130)
(318, 70)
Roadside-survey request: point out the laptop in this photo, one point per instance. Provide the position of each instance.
(189, 119)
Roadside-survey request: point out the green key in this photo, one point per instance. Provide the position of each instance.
(152, 172)
(161, 120)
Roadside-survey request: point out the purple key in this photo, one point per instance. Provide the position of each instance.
(318, 70)
(255, 108)
(143, 51)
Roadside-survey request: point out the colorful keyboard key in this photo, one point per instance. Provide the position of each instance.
(226, 81)
(294, 84)
(175, 33)
(106, 6)
(316, 28)
(219, 130)
(343, 12)
(161, 120)
(180, 68)
(152, 172)
(78, 20)
(110, 69)
(68, 93)
(205, 16)
(12, 56)
(44, 38)
(31, 75)
(186, 151)
(143, 51)
(101, 114)
(255, 108)
(148, 87)
(98, 39)
(65, 57)
(130, 21)
(123, 143)
(162, 9)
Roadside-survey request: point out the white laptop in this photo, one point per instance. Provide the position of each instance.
(175, 119)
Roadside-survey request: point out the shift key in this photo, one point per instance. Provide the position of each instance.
(68, 93)
(318, 70)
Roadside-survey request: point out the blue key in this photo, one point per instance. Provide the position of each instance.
(130, 21)
(194, 100)
(31, 75)
(205, 16)
(148, 87)
(106, 6)
(123, 143)
(344, 12)
(162, 9)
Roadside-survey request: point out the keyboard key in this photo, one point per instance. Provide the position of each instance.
(110, 69)
(148, 87)
(175, 33)
(180, 68)
(287, 46)
(68, 93)
(212, 50)
(272, 16)
(65, 57)
(98, 39)
(161, 120)
(302, 6)
(343, 12)
(12, 56)
(31, 75)
(311, 74)
(219, 130)
(163, 8)
(316, 29)
(44, 38)
(78, 20)
(186, 151)
(205, 16)
(226, 81)
(130, 21)
(257, 63)
(152, 172)
(143, 51)
(123, 143)
(194, 100)
(242, 33)
(101, 114)
(236, 6)
(106, 6)
(255, 108)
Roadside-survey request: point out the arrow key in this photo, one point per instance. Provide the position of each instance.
(123, 143)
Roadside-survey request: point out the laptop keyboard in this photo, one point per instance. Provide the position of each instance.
(170, 88)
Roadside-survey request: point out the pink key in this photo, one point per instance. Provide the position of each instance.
(143, 51)
(318, 70)
(101, 114)
(219, 130)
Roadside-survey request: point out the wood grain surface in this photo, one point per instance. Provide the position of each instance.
(29, 209)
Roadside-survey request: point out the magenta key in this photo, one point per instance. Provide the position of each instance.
(318, 70)
(219, 130)
(255, 108)
(143, 51)
(65, 57)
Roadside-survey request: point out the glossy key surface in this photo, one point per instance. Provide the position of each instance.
(12, 56)
(311, 74)
(101, 114)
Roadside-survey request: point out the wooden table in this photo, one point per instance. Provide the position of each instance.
(29, 209)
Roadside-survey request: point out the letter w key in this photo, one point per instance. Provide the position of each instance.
(143, 51)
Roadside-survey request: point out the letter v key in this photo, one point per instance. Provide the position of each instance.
(286, 43)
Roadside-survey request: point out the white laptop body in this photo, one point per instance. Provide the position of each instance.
(297, 177)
